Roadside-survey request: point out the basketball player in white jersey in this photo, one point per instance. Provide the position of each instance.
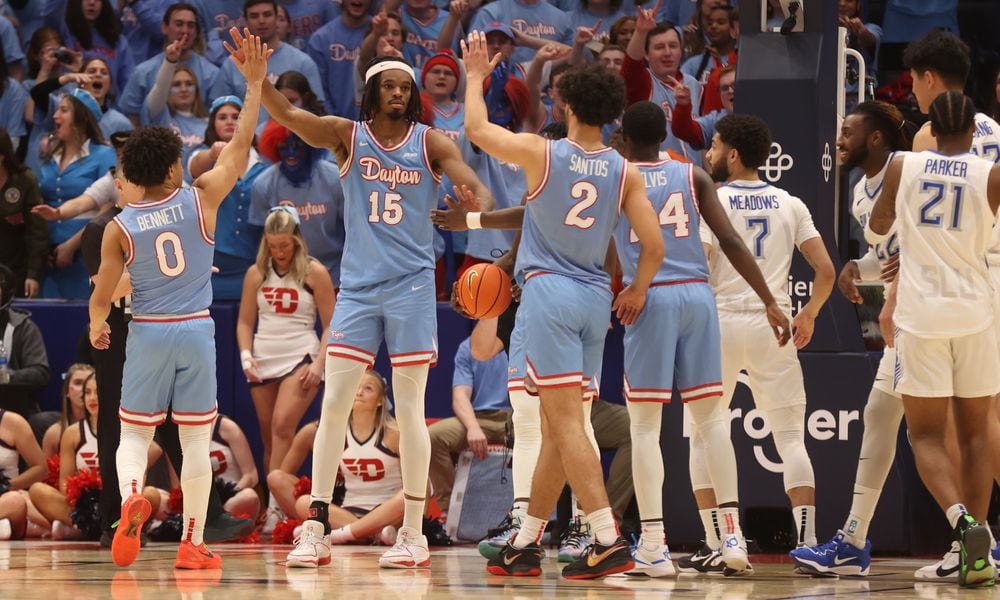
(869, 137)
(772, 224)
(942, 313)
(939, 62)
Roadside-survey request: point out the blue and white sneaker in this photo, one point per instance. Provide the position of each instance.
(497, 538)
(652, 563)
(994, 554)
(837, 557)
(574, 541)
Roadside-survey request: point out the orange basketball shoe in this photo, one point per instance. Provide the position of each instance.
(190, 556)
(125, 545)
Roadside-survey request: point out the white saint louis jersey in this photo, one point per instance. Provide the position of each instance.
(986, 144)
(945, 227)
(772, 224)
(866, 192)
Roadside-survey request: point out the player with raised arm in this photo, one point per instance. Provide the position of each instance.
(390, 166)
(577, 187)
(772, 223)
(166, 243)
(943, 204)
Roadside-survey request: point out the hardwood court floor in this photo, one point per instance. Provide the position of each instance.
(81, 571)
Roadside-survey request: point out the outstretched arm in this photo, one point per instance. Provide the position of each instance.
(445, 156)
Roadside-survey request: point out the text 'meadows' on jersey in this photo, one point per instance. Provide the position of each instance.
(570, 218)
(866, 192)
(945, 227)
(170, 253)
(772, 224)
(388, 196)
(670, 187)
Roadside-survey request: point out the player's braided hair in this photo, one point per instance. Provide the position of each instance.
(370, 98)
(952, 113)
(886, 118)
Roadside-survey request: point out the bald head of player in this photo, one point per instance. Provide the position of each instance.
(644, 127)
(938, 62)
(594, 95)
(953, 122)
(151, 158)
(390, 91)
(740, 145)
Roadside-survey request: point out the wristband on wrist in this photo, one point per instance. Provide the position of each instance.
(474, 220)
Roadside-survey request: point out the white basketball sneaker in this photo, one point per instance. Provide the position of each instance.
(652, 563)
(734, 554)
(409, 552)
(311, 547)
(944, 569)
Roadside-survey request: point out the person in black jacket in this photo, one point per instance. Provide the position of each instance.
(24, 347)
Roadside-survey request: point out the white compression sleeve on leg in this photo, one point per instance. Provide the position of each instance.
(343, 376)
(133, 446)
(196, 478)
(409, 384)
(527, 420)
(711, 419)
(647, 460)
(788, 430)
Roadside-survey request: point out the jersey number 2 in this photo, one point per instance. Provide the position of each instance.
(169, 250)
(586, 193)
(672, 213)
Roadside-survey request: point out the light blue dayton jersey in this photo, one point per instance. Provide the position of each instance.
(663, 96)
(170, 254)
(388, 197)
(670, 186)
(449, 120)
(572, 215)
(421, 37)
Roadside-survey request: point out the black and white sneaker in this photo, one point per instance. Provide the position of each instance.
(945, 569)
(705, 562)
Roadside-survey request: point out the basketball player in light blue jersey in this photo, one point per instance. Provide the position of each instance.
(390, 167)
(675, 341)
(166, 242)
(576, 190)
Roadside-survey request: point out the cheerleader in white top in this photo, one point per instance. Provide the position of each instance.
(78, 451)
(283, 293)
(373, 502)
(232, 462)
(17, 442)
(72, 409)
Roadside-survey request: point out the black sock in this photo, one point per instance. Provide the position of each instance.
(320, 511)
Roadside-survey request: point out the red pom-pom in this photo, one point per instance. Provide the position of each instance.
(84, 480)
(53, 477)
(284, 531)
(303, 487)
(175, 503)
(253, 537)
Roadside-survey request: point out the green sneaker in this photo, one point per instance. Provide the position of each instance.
(974, 566)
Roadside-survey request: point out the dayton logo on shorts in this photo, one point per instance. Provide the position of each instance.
(368, 469)
(283, 300)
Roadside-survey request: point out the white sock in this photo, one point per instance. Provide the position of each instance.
(343, 376)
(133, 446)
(954, 513)
(805, 524)
(729, 521)
(409, 384)
(603, 526)
(527, 443)
(860, 517)
(520, 509)
(653, 535)
(342, 535)
(710, 522)
(196, 478)
(530, 532)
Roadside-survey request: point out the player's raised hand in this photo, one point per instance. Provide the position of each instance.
(100, 335)
(236, 50)
(475, 56)
(779, 324)
(848, 280)
(645, 19)
(628, 305)
(255, 65)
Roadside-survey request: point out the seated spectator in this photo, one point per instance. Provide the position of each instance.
(101, 194)
(236, 239)
(182, 31)
(73, 406)
(78, 159)
(233, 463)
(301, 180)
(334, 48)
(13, 99)
(660, 47)
(217, 17)
(78, 451)
(17, 445)
(24, 237)
(906, 21)
(535, 18)
(261, 18)
(698, 131)
(423, 22)
(13, 56)
(720, 30)
(373, 503)
(481, 406)
(443, 84)
(94, 30)
(866, 38)
(26, 358)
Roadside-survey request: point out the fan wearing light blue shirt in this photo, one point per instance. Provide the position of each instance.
(536, 18)
(305, 17)
(13, 56)
(179, 26)
(141, 26)
(175, 102)
(262, 19)
(94, 30)
(216, 17)
(591, 13)
(335, 47)
(422, 21)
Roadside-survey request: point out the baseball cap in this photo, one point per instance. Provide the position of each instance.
(501, 27)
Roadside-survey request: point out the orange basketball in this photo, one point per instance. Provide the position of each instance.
(484, 291)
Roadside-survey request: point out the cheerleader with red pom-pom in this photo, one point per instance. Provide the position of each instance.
(233, 463)
(77, 453)
(17, 442)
